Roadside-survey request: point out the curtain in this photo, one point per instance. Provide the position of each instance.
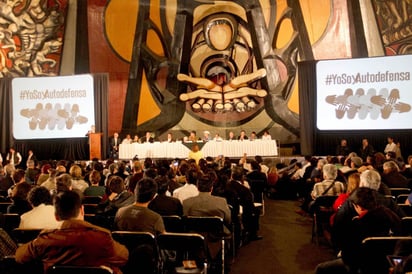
(307, 104)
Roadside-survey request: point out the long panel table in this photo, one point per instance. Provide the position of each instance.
(211, 148)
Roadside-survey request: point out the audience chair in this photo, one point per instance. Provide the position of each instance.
(261, 205)
(183, 248)
(100, 220)
(70, 269)
(4, 206)
(322, 211)
(90, 208)
(143, 254)
(407, 209)
(5, 199)
(401, 198)
(173, 223)
(212, 228)
(8, 265)
(407, 226)
(92, 199)
(22, 236)
(9, 221)
(395, 191)
(375, 251)
(390, 198)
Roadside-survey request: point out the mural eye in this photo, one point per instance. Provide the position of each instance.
(220, 32)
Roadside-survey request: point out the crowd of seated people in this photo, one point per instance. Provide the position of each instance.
(147, 190)
(362, 185)
(134, 197)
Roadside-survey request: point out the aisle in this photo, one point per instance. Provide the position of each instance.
(286, 246)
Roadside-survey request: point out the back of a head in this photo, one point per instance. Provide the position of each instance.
(113, 168)
(18, 175)
(39, 195)
(94, 177)
(9, 169)
(191, 176)
(237, 173)
(145, 190)
(137, 166)
(162, 184)
(365, 198)
(150, 172)
(330, 172)
(75, 171)
(67, 204)
(255, 165)
(204, 183)
(116, 184)
(390, 166)
(21, 190)
(370, 179)
(258, 159)
(63, 182)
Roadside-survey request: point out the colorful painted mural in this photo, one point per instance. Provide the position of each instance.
(219, 66)
(31, 37)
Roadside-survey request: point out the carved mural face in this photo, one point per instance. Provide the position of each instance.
(223, 82)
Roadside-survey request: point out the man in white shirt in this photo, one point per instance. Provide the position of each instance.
(391, 146)
(13, 157)
(189, 189)
(42, 215)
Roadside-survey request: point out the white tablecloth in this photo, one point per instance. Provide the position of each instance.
(238, 148)
(153, 150)
(211, 148)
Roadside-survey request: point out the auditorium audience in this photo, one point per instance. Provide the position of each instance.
(41, 216)
(137, 216)
(238, 195)
(50, 182)
(95, 189)
(76, 242)
(44, 173)
(77, 179)
(207, 205)
(6, 181)
(137, 201)
(118, 197)
(370, 219)
(32, 172)
(163, 204)
(189, 188)
(392, 177)
(19, 193)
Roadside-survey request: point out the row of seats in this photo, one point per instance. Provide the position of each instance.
(147, 253)
(322, 210)
(190, 237)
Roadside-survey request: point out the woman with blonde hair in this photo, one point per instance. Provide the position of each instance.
(352, 185)
(78, 181)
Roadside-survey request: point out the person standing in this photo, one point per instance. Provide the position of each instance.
(31, 156)
(366, 149)
(390, 146)
(13, 157)
(114, 146)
